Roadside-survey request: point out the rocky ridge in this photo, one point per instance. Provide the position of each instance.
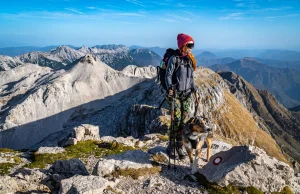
(57, 96)
(63, 57)
(271, 116)
(145, 170)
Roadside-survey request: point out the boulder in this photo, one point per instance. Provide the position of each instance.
(128, 141)
(86, 132)
(84, 185)
(246, 166)
(133, 159)
(8, 185)
(68, 168)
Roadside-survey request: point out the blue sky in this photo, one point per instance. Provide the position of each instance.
(212, 23)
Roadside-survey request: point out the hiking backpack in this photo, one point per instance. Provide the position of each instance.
(161, 70)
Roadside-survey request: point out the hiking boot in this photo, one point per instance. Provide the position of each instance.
(171, 149)
(180, 151)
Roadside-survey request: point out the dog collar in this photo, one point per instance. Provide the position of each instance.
(193, 137)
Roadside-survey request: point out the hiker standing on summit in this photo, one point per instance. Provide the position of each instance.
(180, 74)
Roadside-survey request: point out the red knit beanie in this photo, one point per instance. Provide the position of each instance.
(182, 39)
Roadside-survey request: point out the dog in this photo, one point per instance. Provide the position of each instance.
(195, 132)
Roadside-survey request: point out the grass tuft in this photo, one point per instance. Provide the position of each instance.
(82, 149)
(136, 173)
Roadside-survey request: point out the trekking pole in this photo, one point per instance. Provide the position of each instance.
(196, 106)
(172, 131)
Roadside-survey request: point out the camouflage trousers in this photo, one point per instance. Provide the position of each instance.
(181, 109)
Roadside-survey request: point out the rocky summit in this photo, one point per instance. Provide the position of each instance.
(90, 128)
(110, 165)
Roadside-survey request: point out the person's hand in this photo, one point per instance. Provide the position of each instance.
(171, 93)
(197, 97)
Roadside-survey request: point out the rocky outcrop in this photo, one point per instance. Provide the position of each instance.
(146, 72)
(82, 133)
(135, 159)
(7, 63)
(84, 184)
(68, 168)
(248, 166)
(25, 180)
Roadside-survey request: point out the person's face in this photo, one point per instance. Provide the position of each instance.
(188, 48)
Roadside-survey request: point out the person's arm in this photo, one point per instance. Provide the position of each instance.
(170, 71)
(193, 87)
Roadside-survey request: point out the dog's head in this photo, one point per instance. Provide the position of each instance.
(198, 126)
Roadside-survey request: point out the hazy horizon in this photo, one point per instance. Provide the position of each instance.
(234, 24)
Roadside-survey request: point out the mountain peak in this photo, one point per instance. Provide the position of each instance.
(109, 46)
(249, 59)
(60, 49)
(88, 59)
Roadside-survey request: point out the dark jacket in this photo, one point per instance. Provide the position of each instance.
(184, 74)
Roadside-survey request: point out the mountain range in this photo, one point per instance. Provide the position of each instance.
(284, 83)
(116, 56)
(41, 105)
(44, 102)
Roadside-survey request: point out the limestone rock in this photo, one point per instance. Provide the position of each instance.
(25, 180)
(128, 141)
(146, 72)
(8, 185)
(248, 166)
(68, 168)
(86, 132)
(50, 150)
(131, 159)
(84, 185)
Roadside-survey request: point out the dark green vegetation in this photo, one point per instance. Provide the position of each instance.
(5, 167)
(80, 150)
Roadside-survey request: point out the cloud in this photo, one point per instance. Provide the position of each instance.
(179, 17)
(69, 16)
(272, 9)
(74, 10)
(129, 14)
(189, 13)
(181, 5)
(240, 5)
(167, 20)
(232, 16)
(136, 2)
(91, 7)
(283, 16)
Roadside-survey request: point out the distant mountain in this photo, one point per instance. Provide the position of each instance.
(14, 51)
(238, 53)
(280, 64)
(158, 50)
(283, 55)
(270, 114)
(144, 57)
(206, 56)
(206, 59)
(295, 109)
(283, 83)
(116, 56)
